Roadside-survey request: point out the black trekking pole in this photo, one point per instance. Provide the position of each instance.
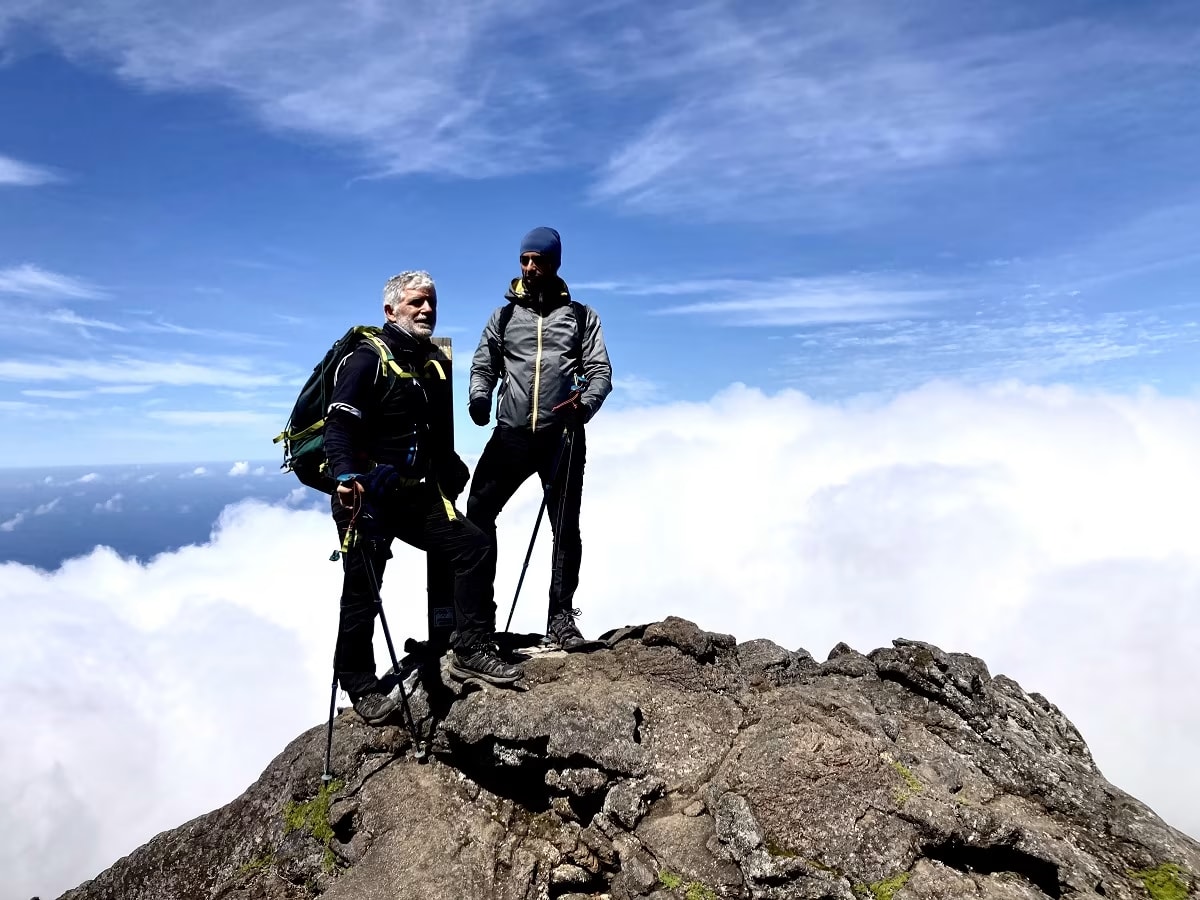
(418, 744)
(567, 440)
(327, 775)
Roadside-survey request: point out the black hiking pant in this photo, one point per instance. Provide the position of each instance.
(419, 516)
(510, 457)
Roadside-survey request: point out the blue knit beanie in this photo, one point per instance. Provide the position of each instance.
(545, 241)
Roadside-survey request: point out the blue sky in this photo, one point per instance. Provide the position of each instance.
(842, 199)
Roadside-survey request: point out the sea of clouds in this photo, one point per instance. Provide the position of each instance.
(1050, 531)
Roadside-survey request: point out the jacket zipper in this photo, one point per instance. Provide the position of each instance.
(537, 373)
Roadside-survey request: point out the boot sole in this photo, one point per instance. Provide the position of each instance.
(466, 674)
(584, 646)
(378, 720)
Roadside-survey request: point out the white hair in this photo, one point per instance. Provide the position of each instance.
(413, 280)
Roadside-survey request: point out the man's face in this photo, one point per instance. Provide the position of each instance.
(535, 271)
(415, 312)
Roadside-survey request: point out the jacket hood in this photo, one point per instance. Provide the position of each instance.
(557, 295)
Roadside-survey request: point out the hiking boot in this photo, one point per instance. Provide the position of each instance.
(374, 707)
(562, 630)
(483, 662)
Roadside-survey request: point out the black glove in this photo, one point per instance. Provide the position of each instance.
(480, 409)
(577, 414)
(379, 481)
(454, 477)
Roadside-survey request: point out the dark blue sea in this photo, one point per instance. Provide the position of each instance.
(51, 515)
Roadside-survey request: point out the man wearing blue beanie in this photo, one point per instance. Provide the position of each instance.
(547, 353)
(545, 245)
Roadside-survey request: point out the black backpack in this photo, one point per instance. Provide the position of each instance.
(304, 436)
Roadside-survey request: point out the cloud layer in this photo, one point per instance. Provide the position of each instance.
(1049, 531)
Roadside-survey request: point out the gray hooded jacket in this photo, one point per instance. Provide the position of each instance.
(537, 359)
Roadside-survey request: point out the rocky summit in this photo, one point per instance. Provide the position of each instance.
(679, 764)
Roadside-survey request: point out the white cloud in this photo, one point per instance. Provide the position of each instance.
(112, 504)
(797, 300)
(13, 523)
(162, 327)
(47, 507)
(30, 280)
(124, 388)
(13, 172)
(239, 469)
(636, 390)
(127, 372)
(811, 301)
(67, 317)
(1049, 531)
(197, 472)
(83, 799)
(214, 417)
(55, 395)
(87, 479)
(300, 496)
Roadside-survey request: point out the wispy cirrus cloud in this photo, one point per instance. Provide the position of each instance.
(442, 105)
(161, 326)
(14, 173)
(67, 317)
(793, 113)
(51, 394)
(124, 388)
(219, 417)
(792, 301)
(125, 372)
(715, 110)
(1031, 341)
(28, 280)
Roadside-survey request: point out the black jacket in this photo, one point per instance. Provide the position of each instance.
(379, 417)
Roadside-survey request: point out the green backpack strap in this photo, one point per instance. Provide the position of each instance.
(387, 361)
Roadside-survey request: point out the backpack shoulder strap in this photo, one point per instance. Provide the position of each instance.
(387, 361)
(506, 314)
(580, 312)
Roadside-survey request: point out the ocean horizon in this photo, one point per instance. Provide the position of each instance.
(51, 515)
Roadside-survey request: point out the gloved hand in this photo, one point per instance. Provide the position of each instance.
(454, 477)
(480, 409)
(577, 414)
(379, 481)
